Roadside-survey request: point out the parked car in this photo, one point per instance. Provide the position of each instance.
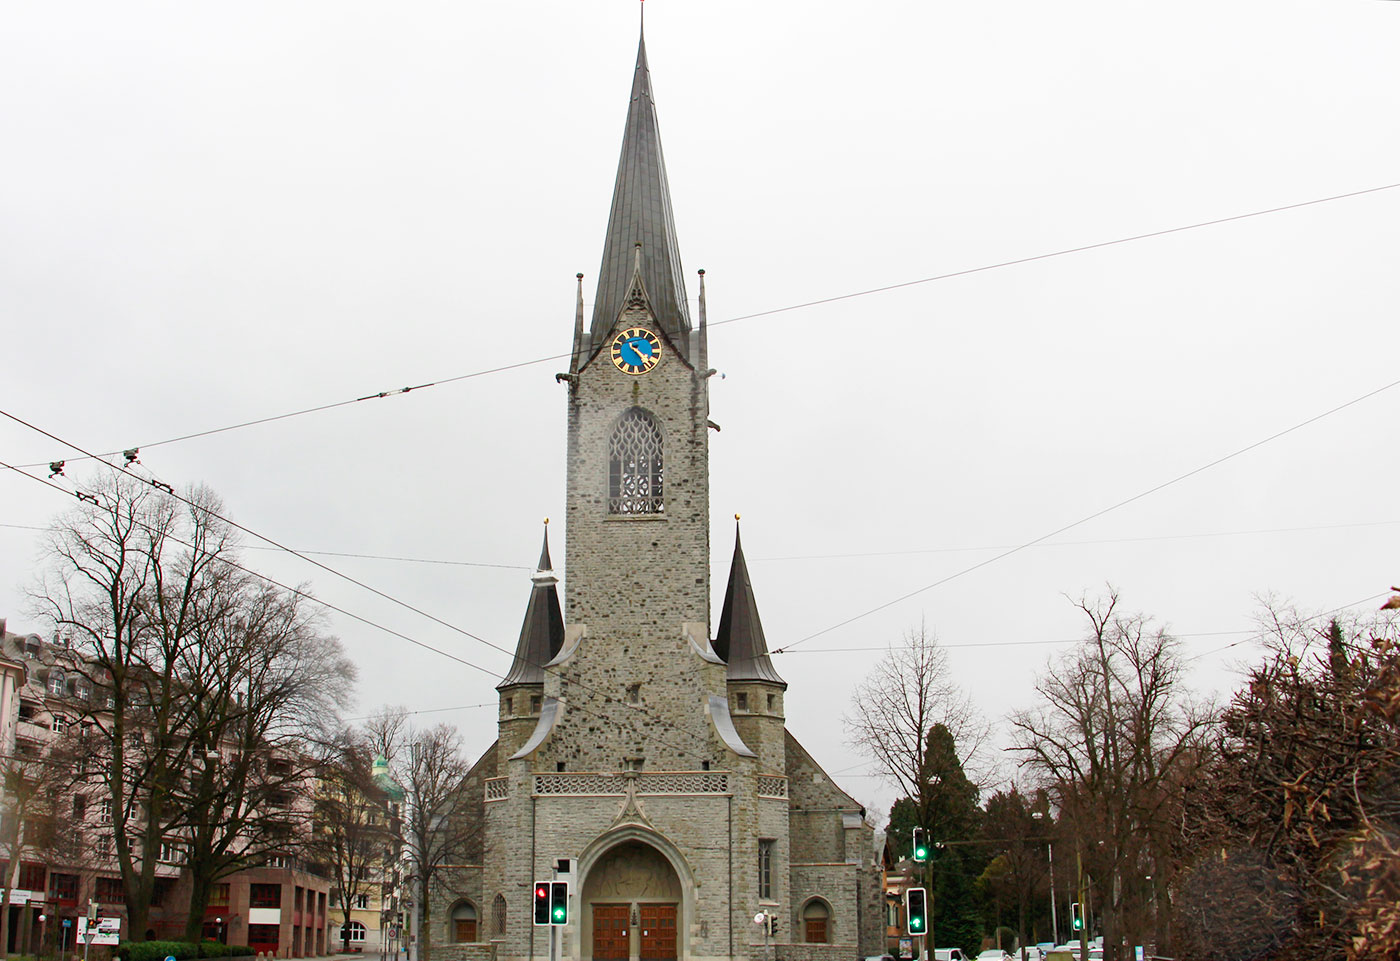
(994, 954)
(949, 954)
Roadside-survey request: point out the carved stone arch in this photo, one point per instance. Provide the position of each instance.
(636, 463)
(600, 855)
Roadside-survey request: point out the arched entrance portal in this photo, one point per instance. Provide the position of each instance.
(632, 903)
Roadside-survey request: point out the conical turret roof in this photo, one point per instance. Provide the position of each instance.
(542, 633)
(740, 640)
(641, 214)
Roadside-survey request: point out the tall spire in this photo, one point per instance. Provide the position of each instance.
(542, 633)
(641, 214)
(740, 638)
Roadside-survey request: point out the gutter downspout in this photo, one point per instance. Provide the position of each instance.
(731, 874)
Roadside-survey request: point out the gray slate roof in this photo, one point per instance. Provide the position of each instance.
(740, 638)
(641, 213)
(542, 633)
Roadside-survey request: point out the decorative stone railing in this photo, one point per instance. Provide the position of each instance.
(651, 783)
(497, 788)
(772, 786)
(684, 782)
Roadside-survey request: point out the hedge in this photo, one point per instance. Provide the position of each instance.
(179, 950)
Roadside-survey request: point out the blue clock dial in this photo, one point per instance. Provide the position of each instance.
(636, 350)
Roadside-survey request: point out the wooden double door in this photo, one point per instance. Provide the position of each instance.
(612, 936)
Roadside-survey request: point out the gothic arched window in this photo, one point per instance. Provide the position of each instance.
(635, 465)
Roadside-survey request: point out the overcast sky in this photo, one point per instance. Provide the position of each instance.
(217, 213)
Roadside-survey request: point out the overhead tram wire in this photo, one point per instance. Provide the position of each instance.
(788, 647)
(400, 391)
(359, 618)
(1089, 517)
(822, 557)
(607, 698)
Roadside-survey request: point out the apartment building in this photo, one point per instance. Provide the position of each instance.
(68, 854)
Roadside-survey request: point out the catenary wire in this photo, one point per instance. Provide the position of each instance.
(400, 391)
(364, 620)
(607, 698)
(784, 648)
(1089, 517)
(858, 554)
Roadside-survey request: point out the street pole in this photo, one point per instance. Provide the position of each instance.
(1083, 905)
(1054, 922)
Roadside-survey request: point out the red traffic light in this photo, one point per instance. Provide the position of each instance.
(542, 902)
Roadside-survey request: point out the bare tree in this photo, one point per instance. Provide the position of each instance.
(267, 684)
(352, 823)
(897, 705)
(1114, 730)
(924, 733)
(439, 825)
(209, 682)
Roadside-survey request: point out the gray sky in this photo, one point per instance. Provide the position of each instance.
(212, 214)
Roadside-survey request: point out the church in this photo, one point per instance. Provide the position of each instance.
(641, 758)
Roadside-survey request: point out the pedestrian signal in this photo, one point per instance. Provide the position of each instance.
(1076, 913)
(916, 910)
(559, 902)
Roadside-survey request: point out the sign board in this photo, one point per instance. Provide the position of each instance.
(20, 896)
(106, 931)
(906, 947)
(67, 922)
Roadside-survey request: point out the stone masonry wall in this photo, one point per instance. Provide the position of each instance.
(813, 952)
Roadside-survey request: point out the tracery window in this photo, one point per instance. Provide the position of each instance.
(498, 912)
(635, 465)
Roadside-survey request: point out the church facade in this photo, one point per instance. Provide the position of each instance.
(640, 757)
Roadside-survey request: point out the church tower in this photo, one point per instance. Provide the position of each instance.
(641, 756)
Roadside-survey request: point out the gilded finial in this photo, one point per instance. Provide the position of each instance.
(546, 522)
(736, 517)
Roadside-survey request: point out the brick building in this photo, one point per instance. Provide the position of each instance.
(640, 755)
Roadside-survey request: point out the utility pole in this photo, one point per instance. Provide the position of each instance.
(1054, 922)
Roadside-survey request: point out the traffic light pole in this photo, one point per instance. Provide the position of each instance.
(1084, 928)
(930, 942)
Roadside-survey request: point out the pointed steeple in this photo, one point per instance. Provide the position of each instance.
(641, 215)
(542, 633)
(740, 637)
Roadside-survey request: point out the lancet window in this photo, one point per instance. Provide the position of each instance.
(635, 472)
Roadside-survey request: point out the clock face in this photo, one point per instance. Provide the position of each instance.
(636, 350)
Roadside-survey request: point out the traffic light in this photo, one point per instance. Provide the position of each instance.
(1076, 913)
(920, 846)
(542, 902)
(916, 910)
(772, 925)
(559, 902)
